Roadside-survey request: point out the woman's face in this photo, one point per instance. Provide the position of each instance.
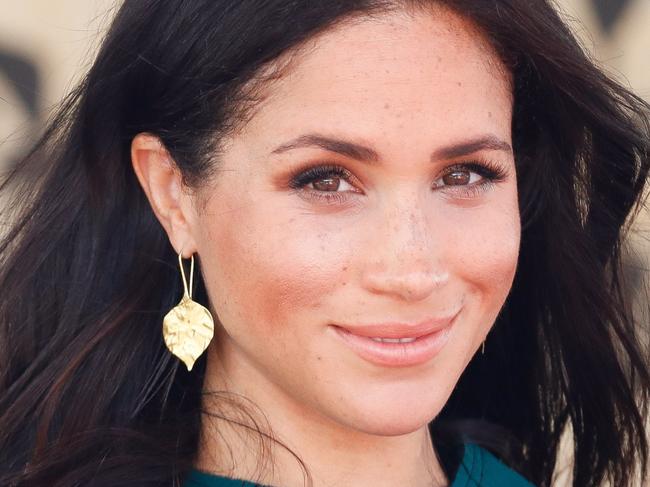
(374, 186)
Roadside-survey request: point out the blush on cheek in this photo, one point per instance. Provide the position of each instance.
(494, 263)
(485, 249)
(302, 269)
(269, 275)
(290, 290)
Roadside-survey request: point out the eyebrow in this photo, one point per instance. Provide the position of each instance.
(366, 154)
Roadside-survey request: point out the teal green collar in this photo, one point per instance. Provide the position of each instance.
(478, 468)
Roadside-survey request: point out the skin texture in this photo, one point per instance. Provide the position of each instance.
(403, 244)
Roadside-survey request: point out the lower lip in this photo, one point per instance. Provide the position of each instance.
(408, 354)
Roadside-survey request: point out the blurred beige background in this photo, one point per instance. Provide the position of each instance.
(46, 45)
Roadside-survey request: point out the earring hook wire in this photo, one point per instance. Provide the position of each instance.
(188, 290)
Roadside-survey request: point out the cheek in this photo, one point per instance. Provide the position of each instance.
(486, 253)
(263, 270)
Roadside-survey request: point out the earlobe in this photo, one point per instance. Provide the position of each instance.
(161, 182)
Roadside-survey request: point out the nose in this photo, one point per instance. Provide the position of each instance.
(405, 258)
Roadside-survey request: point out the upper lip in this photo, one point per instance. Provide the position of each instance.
(400, 330)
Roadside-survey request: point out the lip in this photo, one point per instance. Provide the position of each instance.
(430, 337)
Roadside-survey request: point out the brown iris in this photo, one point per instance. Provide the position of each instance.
(456, 178)
(327, 184)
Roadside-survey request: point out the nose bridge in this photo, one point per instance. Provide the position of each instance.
(406, 229)
(406, 259)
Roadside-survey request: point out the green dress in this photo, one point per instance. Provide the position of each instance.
(478, 468)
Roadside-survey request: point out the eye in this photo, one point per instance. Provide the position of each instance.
(459, 176)
(327, 178)
(468, 179)
(327, 183)
(330, 183)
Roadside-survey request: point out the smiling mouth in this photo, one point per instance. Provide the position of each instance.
(398, 344)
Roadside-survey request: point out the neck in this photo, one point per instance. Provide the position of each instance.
(231, 444)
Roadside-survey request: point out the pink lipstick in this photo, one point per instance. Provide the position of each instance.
(397, 344)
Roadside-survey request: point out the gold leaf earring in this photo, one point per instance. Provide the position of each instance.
(188, 327)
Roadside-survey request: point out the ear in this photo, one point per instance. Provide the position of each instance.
(161, 181)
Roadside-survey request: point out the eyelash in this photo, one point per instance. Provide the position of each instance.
(490, 174)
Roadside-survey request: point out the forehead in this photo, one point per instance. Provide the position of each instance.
(387, 74)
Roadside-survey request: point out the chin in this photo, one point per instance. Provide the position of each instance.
(393, 425)
(400, 428)
(396, 416)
